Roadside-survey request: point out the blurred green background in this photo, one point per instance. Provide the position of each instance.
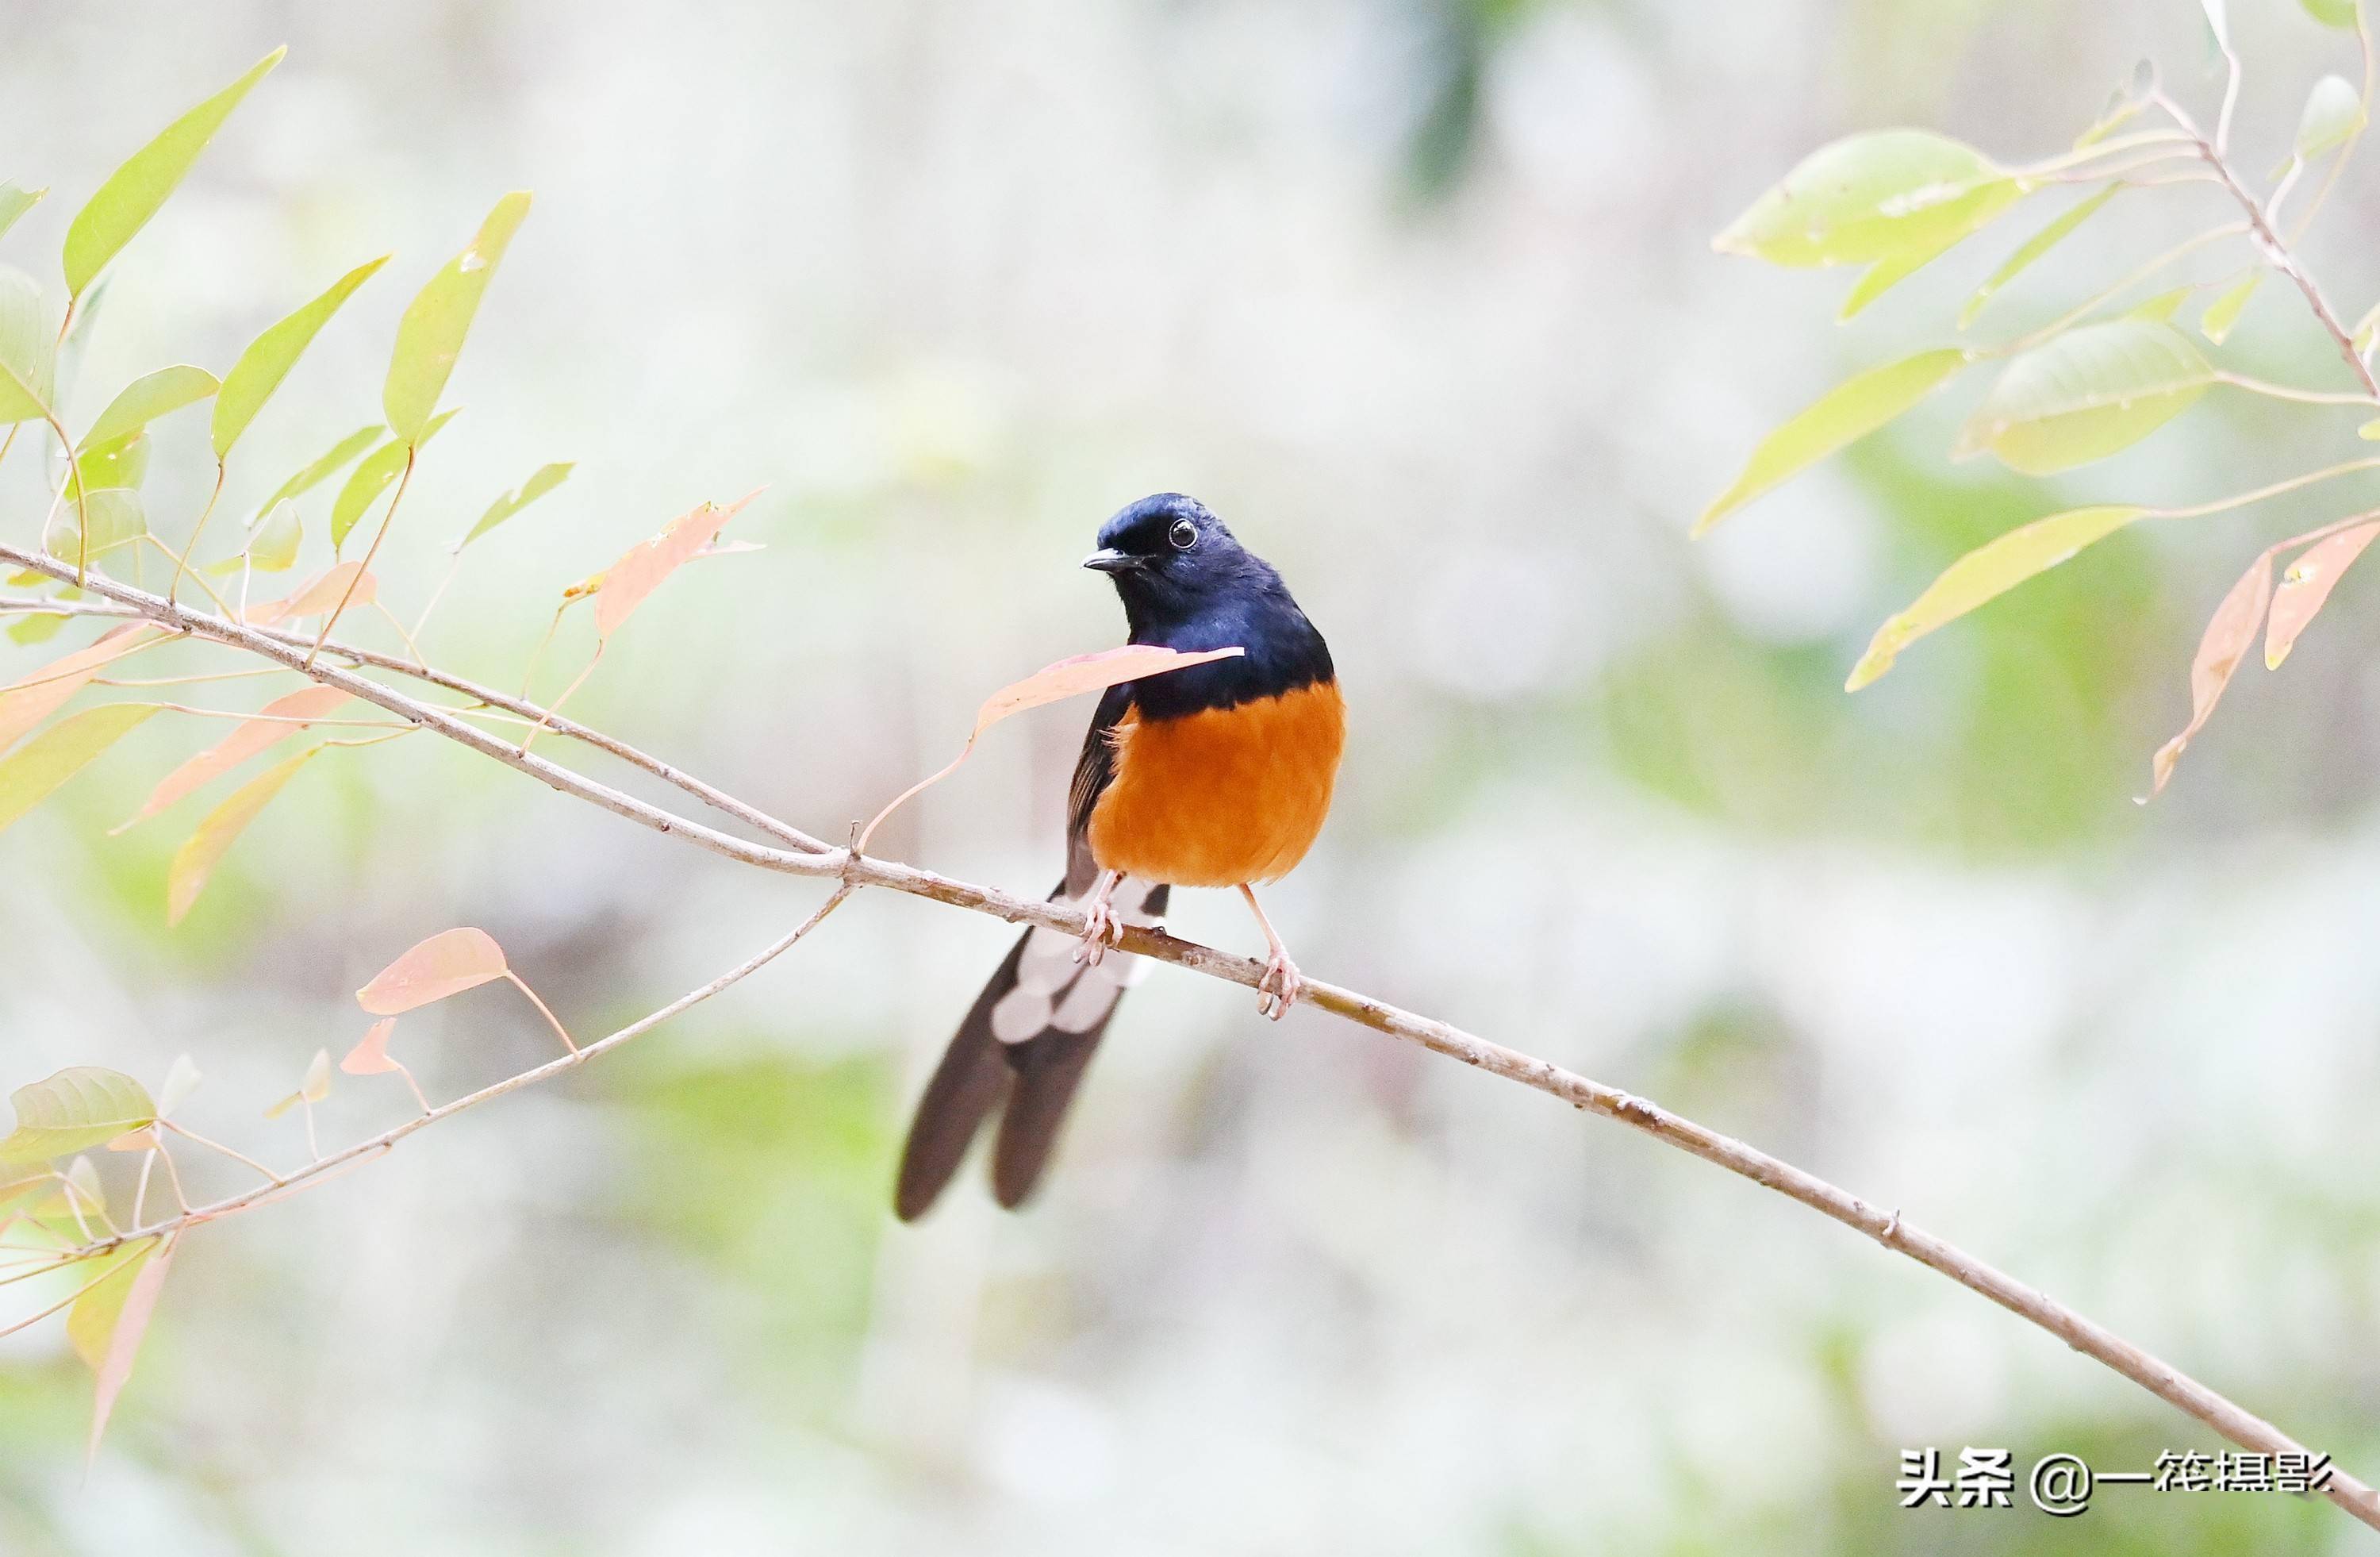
(1417, 293)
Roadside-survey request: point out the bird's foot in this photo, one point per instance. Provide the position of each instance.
(1279, 987)
(1101, 930)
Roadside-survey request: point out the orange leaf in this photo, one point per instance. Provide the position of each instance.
(138, 1141)
(2306, 583)
(308, 703)
(324, 594)
(196, 861)
(2228, 637)
(124, 1345)
(446, 964)
(370, 1056)
(1066, 678)
(26, 702)
(642, 569)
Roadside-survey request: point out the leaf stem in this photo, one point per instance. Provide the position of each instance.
(403, 481)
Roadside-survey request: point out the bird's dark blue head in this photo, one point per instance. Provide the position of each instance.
(1187, 583)
(1172, 559)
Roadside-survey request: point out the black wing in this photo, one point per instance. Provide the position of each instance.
(1094, 770)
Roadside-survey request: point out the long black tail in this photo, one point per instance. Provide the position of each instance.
(1026, 1040)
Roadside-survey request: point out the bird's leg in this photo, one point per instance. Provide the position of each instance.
(1104, 929)
(1281, 986)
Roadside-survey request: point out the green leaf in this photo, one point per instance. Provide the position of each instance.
(2033, 248)
(82, 1106)
(148, 397)
(1849, 411)
(1890, 271)
(2224, 311)
(270, 357)
(430, 334)
(195, 862)
(2332, 12)
(371, 477)
(26, 349)
(547, 477)
(39, 767)
(92, 1323)
(1872, 197)
(117, 519)
(323, 468)
(123, 462)
(2086, 394)
(134, 191)
(15, 200)
(274, 547)
(35, 629)
(1989, 570)
(2162, 307)
(2334, 111)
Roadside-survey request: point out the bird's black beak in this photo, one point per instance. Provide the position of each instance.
(1107, 559)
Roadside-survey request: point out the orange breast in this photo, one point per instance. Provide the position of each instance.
(1223, 797)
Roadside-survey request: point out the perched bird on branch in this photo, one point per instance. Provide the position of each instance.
(1216, 776)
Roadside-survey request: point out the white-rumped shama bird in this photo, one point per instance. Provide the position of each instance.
(1217, 776)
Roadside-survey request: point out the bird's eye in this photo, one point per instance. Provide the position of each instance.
(1183, 535)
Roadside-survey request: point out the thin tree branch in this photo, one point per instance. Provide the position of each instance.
(2270, 242)
(854, 870)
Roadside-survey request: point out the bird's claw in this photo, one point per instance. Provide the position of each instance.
(1279, 987)
(1101, 930)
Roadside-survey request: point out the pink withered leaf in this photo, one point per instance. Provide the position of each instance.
(275, 723)
(2306, 583)
(446, 964)
(642, 568)
(2226, 641)
(1064, 678)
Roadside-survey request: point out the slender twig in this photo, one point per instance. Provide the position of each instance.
(386, 519)
(2269, 242)
(544, 1010)
(855, 871)
(182, 562)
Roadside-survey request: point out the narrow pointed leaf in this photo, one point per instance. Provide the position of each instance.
(2307, 583)
(117, 520)
(547, 477)
(80, 1107)
(371, 477)
(323, 468)
(1989, 570)
(370, 1056)
(31, 630)
(180, 1082)
(27, 349)
(2086, 394)
(1846, 413)
(1065, 678)
(59, 753)
(642, 567)
(92, 1323)
(2224, 311)
(322, 593)
(148, 397)
(15, 200)
(2032, 249)
(243, 742)
(34, 696)
(120, 462)
(195, 862)
(2224, 645)
(430, 335)
(274, 547)
(446, 964)
(2161, 308)
(270, 357)
(1870, 197)
(124, 1345)
(2334, 111)
(2332, 12)
(134, 191)
(317, 1085)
